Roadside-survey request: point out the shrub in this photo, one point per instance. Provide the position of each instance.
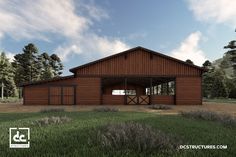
(133, 136)
(51, 120)
(52, 110)
(225, 119)
(160, 107)
(106, 109)
(11, 100)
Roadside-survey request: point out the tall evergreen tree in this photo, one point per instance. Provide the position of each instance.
(207, 64)
(46, 69)
(7, 83)
(232, 53)
(219, 87)
(189, 61)
(51, 66)
(56, 65)
(32, 66)
(27, 65)
(208, 79)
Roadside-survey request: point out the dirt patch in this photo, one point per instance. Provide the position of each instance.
(209, 106)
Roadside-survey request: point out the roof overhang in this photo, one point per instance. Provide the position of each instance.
(46, 81)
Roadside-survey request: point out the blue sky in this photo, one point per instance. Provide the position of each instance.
(80, 31)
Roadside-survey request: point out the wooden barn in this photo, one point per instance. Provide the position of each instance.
(135, 76)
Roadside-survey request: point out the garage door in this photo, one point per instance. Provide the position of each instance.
(63, 95)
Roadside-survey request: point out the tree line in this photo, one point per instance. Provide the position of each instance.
(220, 80)
(27, 66)
(32, 65)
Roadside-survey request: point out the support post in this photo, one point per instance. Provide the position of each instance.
(2, 87)
(125, 97)
(151, 92)
(167, 85)
(175, 91)
(162, 89)
(101, 91)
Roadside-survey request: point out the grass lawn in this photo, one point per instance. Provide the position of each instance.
(71, 139)
(221, 100)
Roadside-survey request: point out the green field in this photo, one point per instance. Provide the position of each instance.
(71, 139)
(221, 100)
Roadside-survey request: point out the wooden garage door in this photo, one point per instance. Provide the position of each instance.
(68, 95)
(64, 95)
(55, 96)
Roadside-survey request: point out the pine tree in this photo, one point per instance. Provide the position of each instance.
(27, 65)
(8, 87)
(218, 85)
(189, 61)
(232, 53)
(56, 65)
(32, 66)
(207, 64)
(46, 69)
(51, 66)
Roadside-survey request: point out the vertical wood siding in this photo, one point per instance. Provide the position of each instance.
(113, 99)
(88, 91)
(139, 63)
(163, 99)
(68, 95)
(36, 95)
(55, 96)
(39, 94)
(188, 91)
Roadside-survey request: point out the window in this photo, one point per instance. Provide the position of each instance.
(130, 92)
(122, 92)
(118, 92)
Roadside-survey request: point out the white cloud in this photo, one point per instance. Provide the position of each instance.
(72, 21)
(65, 51)
(94, 11)
(215, 11)
(93, 44)
(33, 19)
(189, 49)
(10, 56)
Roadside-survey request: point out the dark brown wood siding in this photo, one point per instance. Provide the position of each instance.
(39, 94)
(36, 95)
(139, 63)
(163, 99)
(88, 91)
(113, 99)
(188, 91)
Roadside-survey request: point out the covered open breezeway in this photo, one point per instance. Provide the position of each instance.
(138, 90)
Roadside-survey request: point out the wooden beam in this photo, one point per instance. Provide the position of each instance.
(151, 92)
(125, 97)
(2, 87)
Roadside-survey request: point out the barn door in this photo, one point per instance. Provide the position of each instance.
(64, 95)
(143, 99)
(134, 100)
(55, 96)
(68, 95)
